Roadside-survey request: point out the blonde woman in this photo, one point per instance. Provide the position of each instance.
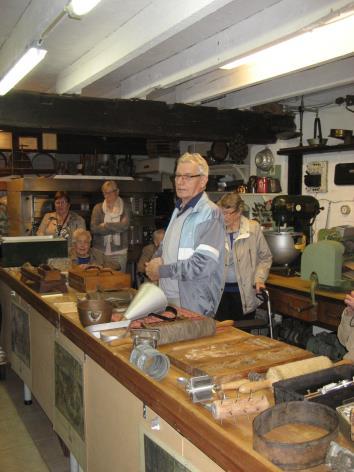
(109, 226)
(248, 260)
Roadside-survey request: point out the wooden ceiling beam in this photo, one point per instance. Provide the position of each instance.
(137, 118)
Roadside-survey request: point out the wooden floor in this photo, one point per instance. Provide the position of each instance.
(27, 440)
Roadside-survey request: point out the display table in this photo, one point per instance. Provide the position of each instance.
(291, 296)
(108, 412)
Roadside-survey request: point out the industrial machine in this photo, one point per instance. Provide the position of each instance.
(293, 217)
(330, 261)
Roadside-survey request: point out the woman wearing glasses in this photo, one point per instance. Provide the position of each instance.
(189, 263)
(248, 260)
(109, 227)
(62, 222)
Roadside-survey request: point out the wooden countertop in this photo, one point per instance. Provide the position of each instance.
(228, 444)
(301, 285)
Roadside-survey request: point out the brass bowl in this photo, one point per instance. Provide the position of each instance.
(93, 312)
(317, 142)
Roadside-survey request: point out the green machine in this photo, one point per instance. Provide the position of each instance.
(330, 260)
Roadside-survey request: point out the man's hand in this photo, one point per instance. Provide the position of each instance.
(152, 268)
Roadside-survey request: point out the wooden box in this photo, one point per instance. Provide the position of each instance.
(95, 278)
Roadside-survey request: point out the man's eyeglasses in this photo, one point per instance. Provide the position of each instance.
(186, 177)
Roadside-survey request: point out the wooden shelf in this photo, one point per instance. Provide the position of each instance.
(315, 149)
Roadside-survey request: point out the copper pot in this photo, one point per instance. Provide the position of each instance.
(93, 312)
(263, 185)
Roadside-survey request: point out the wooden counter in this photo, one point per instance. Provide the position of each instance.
(116, 394)
(291, 296)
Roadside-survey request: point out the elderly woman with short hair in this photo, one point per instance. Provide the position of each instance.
(81, 253)
(109, 225)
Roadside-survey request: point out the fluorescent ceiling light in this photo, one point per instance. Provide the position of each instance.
(78, 8)
(27, 62)
(327, 37)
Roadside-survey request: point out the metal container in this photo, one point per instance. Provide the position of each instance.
(93, 312)
(284, 246)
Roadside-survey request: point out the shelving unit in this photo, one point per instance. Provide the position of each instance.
(295, 161)
(237, 170)
(315, 149)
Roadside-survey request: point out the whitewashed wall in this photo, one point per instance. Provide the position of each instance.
(337, 195)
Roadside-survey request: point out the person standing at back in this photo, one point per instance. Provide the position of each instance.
(149, 251)
(189, 263)
(109, 227)
(248, 260)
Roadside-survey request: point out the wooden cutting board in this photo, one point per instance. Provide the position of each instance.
(232, 355)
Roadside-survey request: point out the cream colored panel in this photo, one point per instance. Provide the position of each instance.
(42, 353)
(69, 399)
(112, 422)
(166, 433)
(200, 461)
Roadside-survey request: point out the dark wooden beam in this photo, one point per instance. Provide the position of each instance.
(137, 118)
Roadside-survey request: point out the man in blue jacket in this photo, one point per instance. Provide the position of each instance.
(189, 264)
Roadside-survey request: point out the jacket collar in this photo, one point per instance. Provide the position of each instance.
(244, 231)
(191, 204)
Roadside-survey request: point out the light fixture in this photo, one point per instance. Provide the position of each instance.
(324, 42)
(78, 8)
(23, 66)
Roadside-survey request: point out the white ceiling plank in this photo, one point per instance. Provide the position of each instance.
(155, 23)
(221, 82)
(34, 18)
(267, 23)
(331, 75)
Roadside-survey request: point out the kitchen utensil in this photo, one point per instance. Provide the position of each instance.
(263, 184)
(345, 134)
(238, 149)
(274, 185)
(203, 387)
(286, 371)
(317, 134)
(264, 159)
(292, 455)
(219, 151)
(184, 330)
(230, 408)
(252, 184)
(148, 299)
(285, 246)
(92, 312)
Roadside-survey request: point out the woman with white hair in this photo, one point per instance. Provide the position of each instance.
(81, 253)
(109, 225)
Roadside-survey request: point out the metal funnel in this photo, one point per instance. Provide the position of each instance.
(148, 299)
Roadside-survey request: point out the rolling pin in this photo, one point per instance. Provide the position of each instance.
(231, 408)
(184, 330)
(287, 371)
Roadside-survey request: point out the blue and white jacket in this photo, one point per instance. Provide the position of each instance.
(199, 268)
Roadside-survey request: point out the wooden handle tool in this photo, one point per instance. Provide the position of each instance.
(233, 384)
(287, 371)
(121, 341)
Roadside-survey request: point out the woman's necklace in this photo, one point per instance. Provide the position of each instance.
(62, 223)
